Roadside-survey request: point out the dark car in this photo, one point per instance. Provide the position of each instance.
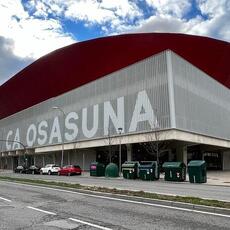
(69, 170)
(20, 169)
(33, 169)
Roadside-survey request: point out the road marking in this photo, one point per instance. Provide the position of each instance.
(87, 223)
(5, 199)
(126, 201)
(40, 210)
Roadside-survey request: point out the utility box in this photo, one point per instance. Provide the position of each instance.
(97, 169)
(197, 171)
(174, 171)
(130, 169)
(149, 170)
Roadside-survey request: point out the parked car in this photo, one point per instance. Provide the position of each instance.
(20, 169)
(33, 169)
(50, 169)
(69, 170)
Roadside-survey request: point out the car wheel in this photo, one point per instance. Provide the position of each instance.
(49, 172)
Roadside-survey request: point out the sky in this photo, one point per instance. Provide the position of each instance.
(30, 29)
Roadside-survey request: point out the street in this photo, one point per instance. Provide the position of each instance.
(34, 207)
(161, 186)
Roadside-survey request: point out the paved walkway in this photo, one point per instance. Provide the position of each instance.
(218, 186)
(219, 178)
(213, 177)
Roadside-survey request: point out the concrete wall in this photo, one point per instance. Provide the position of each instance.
(226, 160)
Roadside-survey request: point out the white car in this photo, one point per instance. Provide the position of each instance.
(50, 169)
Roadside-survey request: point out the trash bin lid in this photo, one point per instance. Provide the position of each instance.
(196, 163)
(175, 164)
(130, 164)
(95, 163)
(147, 164)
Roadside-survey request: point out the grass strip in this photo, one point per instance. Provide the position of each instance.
(142, 194)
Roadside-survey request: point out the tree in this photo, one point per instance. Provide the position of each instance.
(155, 146)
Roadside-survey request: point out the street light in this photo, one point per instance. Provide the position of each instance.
(64, 115)
(120, 131)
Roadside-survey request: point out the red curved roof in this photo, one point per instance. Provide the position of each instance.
(77, 64)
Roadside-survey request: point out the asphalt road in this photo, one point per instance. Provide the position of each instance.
(161, 186)
(32, 207)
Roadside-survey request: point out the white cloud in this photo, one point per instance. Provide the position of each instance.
(213, 8)
(167, 24)
(176, 8)
(213, 21)
(33, 37)
(9, 63)
(107, 13)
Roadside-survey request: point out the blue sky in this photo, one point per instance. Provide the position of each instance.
(33, 28)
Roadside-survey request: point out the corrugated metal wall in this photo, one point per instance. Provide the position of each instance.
(202, 105)
(149, 75)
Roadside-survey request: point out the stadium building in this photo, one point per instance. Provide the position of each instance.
(149, 96)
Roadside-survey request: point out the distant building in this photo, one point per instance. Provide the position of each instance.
(83, 101)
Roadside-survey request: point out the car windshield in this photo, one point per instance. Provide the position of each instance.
(76, 166)
(54, 166)
(47, 166)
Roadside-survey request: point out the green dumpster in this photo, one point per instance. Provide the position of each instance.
(130, 169)
(111, 170)
(149, 170)
(174, 171)
(197, 171)
(97, 169)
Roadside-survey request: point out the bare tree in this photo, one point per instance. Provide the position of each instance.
(110, 143)
(154, 144)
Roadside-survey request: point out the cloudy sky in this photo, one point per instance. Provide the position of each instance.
(32, 28)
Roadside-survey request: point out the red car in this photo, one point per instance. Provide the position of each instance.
(69, 170)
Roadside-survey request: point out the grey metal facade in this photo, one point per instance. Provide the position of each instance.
(202, 105)
(126, 88)
(161, 91)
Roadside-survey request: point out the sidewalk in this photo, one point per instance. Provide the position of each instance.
(218, 178)
(213, 177)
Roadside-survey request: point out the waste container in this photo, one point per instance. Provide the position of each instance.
(130, 169)
(111, 170)
(197, 171)
(97, 169)
(174, 171)
(149, 170)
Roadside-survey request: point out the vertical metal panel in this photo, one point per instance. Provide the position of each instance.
(202, 104)
(149, 75)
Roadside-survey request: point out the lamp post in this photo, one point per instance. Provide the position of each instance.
(64, 115)
(120, 131)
